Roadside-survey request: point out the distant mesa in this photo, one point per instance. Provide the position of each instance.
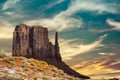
(33, 42)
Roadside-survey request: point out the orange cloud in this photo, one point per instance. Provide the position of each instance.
(99, 69)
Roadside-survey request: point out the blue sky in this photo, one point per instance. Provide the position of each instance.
(89, 30)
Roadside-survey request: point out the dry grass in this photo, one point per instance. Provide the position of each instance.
(20, 68)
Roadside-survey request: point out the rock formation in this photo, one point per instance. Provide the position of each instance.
(33, 42)
(57, 52)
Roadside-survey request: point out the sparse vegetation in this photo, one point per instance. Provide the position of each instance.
(20, 68)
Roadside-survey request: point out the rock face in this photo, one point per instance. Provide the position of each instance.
(33, 42)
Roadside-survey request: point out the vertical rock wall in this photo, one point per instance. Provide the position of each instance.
(21, 41)
(33, 42)
(40, 42)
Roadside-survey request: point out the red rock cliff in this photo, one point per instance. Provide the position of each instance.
(33, 42)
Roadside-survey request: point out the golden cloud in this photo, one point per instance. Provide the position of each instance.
(98, 69)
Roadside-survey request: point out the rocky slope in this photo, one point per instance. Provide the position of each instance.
(20, 68)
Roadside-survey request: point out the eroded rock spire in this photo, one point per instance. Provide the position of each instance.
(57, 49)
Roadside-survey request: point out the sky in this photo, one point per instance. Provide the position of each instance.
(89, 31)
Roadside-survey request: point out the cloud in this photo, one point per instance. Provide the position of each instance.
(6, 29)
(102, 68)
(106, 54)
(9, 13)
(60, 22)
(10, 4)
(13, 15)
(69, 50)
(115, 66)
(52, 4)
(96, 5)
(111, 75)
(64, 20)
(114, 24)
(99, 31)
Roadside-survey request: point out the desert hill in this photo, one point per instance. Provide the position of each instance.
(21, 68)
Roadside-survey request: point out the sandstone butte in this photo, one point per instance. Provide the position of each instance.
(33, 42)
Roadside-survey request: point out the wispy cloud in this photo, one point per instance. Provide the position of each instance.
(106, 54)
(52, 4)
(69, 50)
(114, 24)
(13, 15)
(102, 68)
(9, 13)
(6, 29)
(97, 5)
(61, 21)
(10, 4)
(64, 20)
